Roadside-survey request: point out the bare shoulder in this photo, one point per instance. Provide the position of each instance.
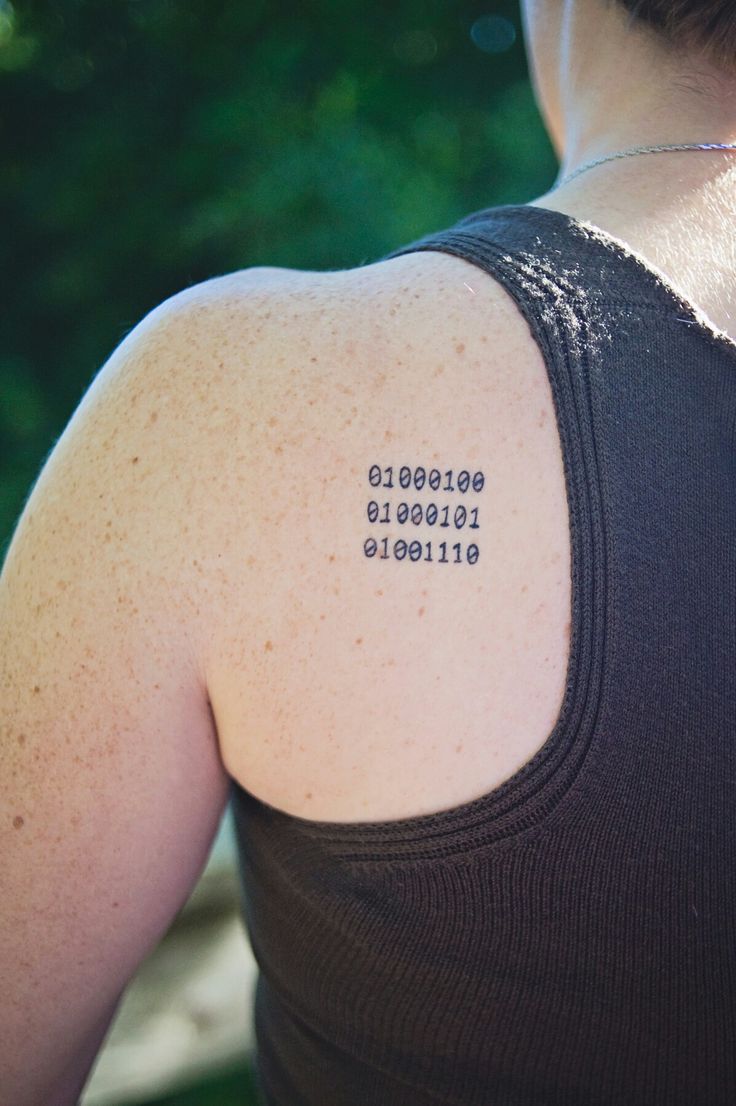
(296, 382)
(386, 487)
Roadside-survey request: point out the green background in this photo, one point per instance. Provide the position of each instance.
(150, 144)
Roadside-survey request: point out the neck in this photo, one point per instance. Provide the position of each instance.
(604, 86)
(636, 92)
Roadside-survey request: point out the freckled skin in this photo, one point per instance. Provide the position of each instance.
(356, 667)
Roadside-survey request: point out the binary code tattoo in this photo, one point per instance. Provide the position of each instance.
(450, 509)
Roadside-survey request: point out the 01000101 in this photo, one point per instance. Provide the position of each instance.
(417, 514)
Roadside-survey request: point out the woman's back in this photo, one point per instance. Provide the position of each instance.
(539, 911)
(429, 566)
(424, 351)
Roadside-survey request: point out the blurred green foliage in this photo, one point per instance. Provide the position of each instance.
(146, 145)
(237, 1088)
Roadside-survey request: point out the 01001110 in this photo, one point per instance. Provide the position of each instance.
(416, 550)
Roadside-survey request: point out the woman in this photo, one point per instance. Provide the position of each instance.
(429, 566)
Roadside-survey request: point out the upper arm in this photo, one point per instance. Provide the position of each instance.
(112, 783)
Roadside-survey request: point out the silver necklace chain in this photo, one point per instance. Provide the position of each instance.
(646, 150)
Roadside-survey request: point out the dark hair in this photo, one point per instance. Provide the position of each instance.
(705, 25)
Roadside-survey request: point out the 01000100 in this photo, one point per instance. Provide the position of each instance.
(383, 478)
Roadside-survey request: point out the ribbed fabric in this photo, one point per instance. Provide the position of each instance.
(570, 938)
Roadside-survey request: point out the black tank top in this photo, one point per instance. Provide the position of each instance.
(570, 938)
